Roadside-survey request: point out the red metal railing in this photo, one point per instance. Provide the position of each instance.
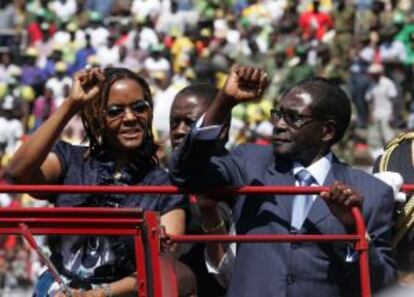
(146, 229)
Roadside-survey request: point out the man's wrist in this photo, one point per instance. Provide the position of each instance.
(226, 101)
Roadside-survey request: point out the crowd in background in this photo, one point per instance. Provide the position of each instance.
(366, 46)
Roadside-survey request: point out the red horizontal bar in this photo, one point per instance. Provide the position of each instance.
(162, 189)
(70, 230)
(82, 189)
(245, 190)
(408, 188)
(111, 221)
(74, 211)
(263, 238)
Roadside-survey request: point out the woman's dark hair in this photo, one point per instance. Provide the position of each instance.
(331, 102)
(93, 119)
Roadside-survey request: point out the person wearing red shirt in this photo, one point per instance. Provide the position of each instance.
(314, 23)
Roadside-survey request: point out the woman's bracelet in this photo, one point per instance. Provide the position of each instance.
(210, 229)
(107, 290)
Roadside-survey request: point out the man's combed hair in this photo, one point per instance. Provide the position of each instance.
(93, 113)
(203, 91)
(331, 102)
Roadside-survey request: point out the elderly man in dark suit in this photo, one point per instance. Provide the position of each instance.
(312, 116)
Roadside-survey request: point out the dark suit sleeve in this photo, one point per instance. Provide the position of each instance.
(195, 167)
(379, 225)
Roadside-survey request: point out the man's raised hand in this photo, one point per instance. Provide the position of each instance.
(244, 84)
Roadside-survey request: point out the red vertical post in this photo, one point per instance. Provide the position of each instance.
(362, 246)
(152, 225)
(163, 273)
(142, 286)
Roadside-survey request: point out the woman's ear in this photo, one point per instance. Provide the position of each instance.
(329, 131)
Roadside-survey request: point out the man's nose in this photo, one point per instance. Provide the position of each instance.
(182, 128)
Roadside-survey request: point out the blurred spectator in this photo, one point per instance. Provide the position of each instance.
(328, 66)
(63, 9)
(60, 83)
(143, 9)
(7, 67)
(391, 50)
(34, 29)
(40, 8)
(277, 70)
(366, 12)
(108, 54)
(380, 96)
(124, 27)
(98, 33)
(71, 39)
(156, 62)
(343, 19)
(21, 268)
(299, 68)
(164, 93)
(51, 61)
(45, 45)
(393, 56)
(359, 80)
(81, 56)
(32, 75)
(7, 22)
(102, 7)
(44, 106)
(7, 279)
(146, 34)
(11, 128)
(126, 59)
(314, 23)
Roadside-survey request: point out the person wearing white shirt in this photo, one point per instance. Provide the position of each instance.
(60, 83)
(64, 9)
(380, 96)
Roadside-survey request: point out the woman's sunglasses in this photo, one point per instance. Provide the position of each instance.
(116, 111)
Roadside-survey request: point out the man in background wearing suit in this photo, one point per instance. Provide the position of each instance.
(312, 116)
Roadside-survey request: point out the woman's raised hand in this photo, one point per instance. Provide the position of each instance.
(86, 85)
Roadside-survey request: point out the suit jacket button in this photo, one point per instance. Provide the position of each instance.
(290, 279)
(294, 245)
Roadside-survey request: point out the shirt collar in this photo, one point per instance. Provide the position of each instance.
(318, 169)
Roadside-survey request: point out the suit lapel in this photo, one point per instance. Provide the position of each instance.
(319, 210)
(282, 178)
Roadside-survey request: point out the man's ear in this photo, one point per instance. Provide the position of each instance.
(329, 131)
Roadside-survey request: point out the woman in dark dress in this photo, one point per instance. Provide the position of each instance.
(116, 110)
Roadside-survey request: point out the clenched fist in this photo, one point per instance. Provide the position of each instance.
(244, 84)
(86, 85)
